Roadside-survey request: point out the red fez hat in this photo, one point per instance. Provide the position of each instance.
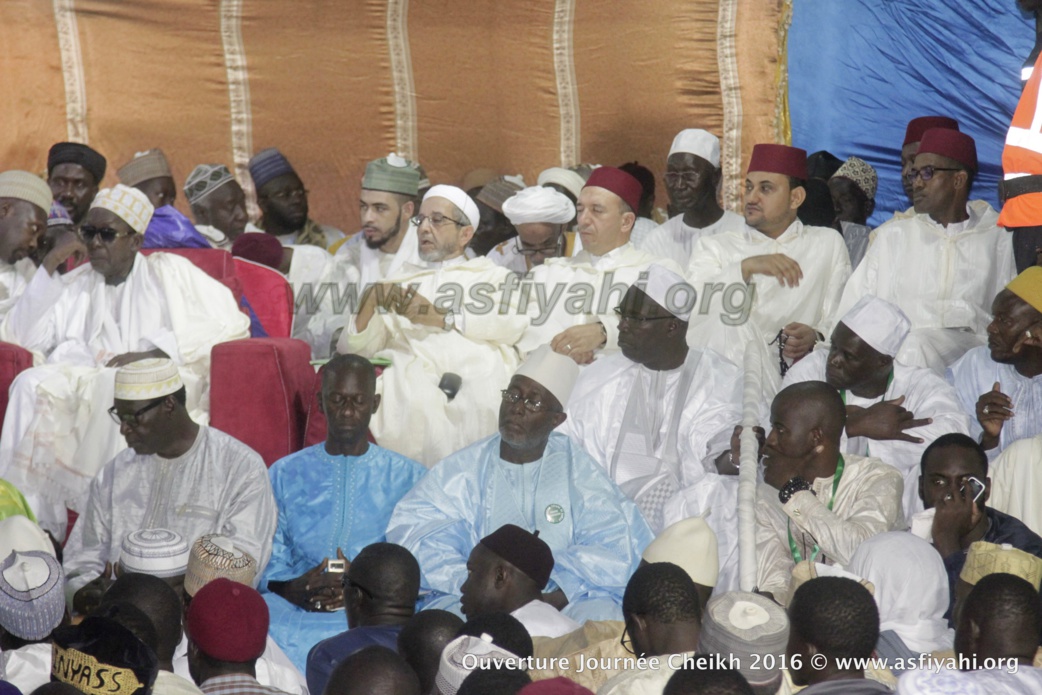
(779, 159)
(951, 144)
(555, 686)
(524, 550)
(228, 621)
(618, 182)
(918, 126)
(259, 248)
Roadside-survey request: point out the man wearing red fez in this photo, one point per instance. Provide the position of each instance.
(774, 280)
(913, 135)
(576, 314)
(944, 265)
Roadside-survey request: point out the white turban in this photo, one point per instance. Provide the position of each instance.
(670, 291)
(566, 178)
(129, 204)
(553, 371)
(539, 204)
(699, 143)
(459, 198)
(879, 323)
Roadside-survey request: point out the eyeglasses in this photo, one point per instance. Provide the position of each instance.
(927, 172)
(288, 194)
(107, 234)
(639, 320)
(626, 642)
(133, 419)
(437, 219)
(532, 406)
(688, 178)
(544, 250)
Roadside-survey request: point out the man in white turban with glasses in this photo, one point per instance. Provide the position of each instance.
(540, 214)
(81, 326)
(448, 325)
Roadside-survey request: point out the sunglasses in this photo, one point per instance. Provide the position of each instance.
(107, 234)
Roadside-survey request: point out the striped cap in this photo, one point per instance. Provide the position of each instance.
(146, 379)
(215, 556)
(147, 165)
(204, 180)
(154, 551)
(25, 186)
(32, 598)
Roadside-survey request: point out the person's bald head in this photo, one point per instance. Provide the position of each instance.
(382, 583)
(373, 671)
(1001, 618)
(423, 639)
(807, 421)
(349, 398)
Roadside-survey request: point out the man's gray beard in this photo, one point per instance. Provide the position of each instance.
(374, 245)
(439, 254)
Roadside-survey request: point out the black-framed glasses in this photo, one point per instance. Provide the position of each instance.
(639, 320)
(107, 234)
(437, 219)
(544, 250)
(350, 583)
(513, 397)
(626, 642)
(926, 173)
(133, 419)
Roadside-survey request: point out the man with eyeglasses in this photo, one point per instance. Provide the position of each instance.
(176, 474)
(379, 592)
(283, 201)
(120, 308)
(74, 172)
(449, 326)
(942, 267)
(540, 215)
(914, 132)
(345, 481)
(658, 416)
(537, 479)
(692, 180)
(789, 274)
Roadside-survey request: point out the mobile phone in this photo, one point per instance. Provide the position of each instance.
(338, 566)
(975, 485)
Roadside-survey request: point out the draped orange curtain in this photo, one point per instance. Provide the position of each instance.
(517, 87)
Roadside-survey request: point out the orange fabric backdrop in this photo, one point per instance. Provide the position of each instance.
(321, 87)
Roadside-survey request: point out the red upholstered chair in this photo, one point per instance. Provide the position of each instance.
(260, 389)
(270, 294)
(14, 360)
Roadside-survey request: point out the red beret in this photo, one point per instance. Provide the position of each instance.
(260, 248)
(918, 126)
(228, 621)
(618, 182)
(779, 159)
(554, 686)
(951, 144)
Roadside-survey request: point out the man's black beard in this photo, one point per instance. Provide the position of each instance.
(379, 244)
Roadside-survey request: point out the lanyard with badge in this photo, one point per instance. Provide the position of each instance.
(796, 555)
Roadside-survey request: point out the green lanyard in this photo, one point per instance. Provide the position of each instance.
(889, 381)
(796, 555)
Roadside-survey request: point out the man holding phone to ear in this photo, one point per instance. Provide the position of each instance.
(954, 487)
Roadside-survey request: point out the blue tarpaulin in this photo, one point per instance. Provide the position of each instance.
(859, 70)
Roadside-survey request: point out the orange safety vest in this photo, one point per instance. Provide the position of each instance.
(1022, 154)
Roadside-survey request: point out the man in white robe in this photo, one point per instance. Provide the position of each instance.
(25, 201)
(218, 205)
(1000, 385)
(798, 271)
(540, 215)
(815, 503)
(893, 411)
(944, 265)
(692, 177)
(81, 326)
(449, 329)
(177, 475)
(532, 477)
(571, 301)
(658, 416)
